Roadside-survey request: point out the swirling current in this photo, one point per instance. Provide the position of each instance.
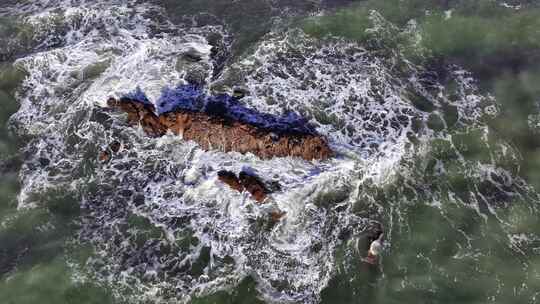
(161, 228)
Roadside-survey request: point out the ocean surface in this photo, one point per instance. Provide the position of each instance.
(432, 108)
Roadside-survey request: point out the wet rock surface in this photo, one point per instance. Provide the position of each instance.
(245, 182)
(107, 153)
(225, 126)
(214, 133)
(139, 113)
(230, 179)
(254, 185)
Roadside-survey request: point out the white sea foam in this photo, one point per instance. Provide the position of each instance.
(162, 226)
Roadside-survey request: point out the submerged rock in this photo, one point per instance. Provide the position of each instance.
(220, 123)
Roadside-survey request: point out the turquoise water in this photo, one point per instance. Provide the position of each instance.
(433, 106)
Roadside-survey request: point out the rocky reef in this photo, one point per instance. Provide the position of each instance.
(221, 123)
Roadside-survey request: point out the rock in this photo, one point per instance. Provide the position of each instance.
(221, 124)
(249, 182)
(106, 154)
(276, 216)
(140, 113)
(230, 179)
(212, 132)
(245, 182)
(254, 185)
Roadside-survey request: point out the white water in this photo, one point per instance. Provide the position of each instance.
(355, 98)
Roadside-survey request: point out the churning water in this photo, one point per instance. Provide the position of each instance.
(160, 227)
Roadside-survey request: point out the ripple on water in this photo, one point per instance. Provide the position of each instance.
(162, 226)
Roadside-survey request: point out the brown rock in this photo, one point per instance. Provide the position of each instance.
(140, 113)
(106, 154)
(245, 182)
(254, 185)
(277, 215)
(214, 132)
(230, 179)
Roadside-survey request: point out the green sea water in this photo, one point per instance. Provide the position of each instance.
(498, 44)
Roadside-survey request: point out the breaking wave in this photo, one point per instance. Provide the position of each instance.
(164, 229)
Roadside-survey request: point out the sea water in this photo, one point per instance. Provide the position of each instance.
(417, 155)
